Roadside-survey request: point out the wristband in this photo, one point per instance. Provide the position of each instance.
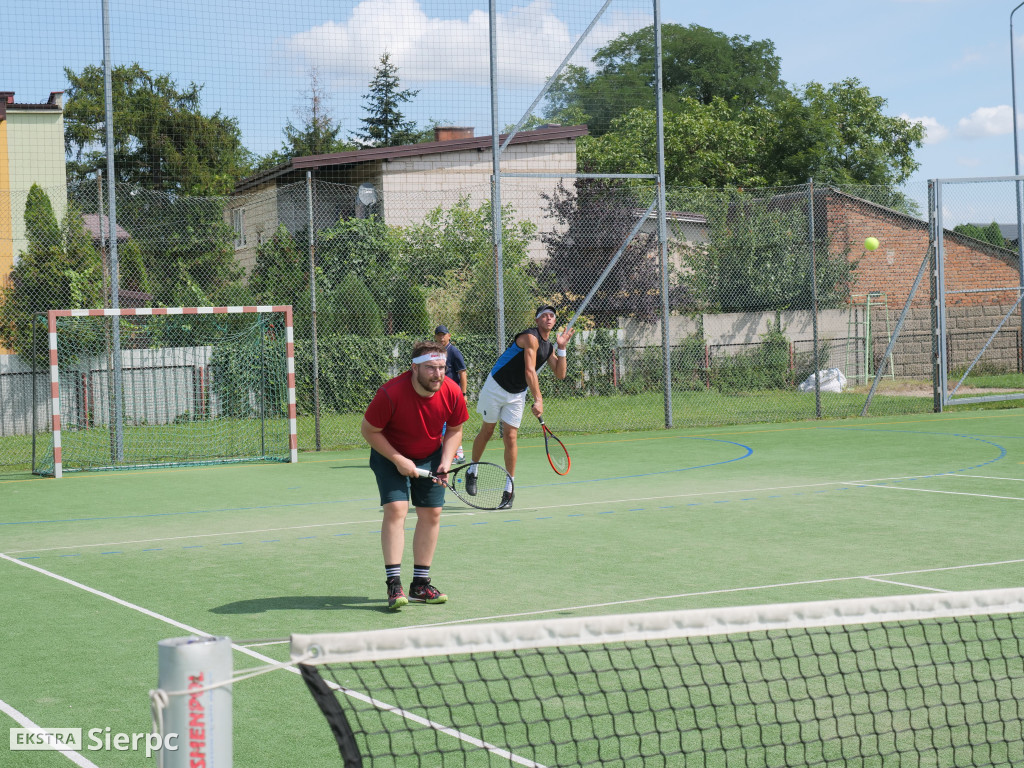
(560, 352)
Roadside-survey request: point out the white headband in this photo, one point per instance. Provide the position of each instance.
(429, 356)
(545, 312)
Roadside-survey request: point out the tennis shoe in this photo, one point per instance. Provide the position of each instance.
(470, 484)
(396, 596)
(460, 455)
(425, 592)
(507, 498)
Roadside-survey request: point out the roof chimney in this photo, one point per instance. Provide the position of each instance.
(448, 133)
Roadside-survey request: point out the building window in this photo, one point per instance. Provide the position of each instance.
(238, 223)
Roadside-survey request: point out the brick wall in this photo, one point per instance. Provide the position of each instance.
(970, 265)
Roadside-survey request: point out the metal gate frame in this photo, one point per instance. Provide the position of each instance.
(943, 395)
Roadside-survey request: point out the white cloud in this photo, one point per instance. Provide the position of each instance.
(986, 121)
(934, 131)
(969, 58)
(968, 162)
(532, 41)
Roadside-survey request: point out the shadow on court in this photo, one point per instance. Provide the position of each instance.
(301, 603)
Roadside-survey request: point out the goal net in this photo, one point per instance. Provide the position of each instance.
(148, 387)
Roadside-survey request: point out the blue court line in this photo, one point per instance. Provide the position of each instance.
(1002, 450)
(747, 453)
(852, 487)
(873, 484)
(186, 512)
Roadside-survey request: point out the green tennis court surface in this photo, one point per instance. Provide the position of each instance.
(98, 567)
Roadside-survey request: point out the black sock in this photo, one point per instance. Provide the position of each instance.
(420, 574)
(393, 572)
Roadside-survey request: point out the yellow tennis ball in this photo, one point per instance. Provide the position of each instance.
(871, 244)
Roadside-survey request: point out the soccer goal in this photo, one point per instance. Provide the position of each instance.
(167, 386)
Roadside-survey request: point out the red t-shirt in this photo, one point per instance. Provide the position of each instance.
(413, 423)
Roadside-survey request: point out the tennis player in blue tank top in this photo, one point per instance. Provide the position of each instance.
(503, 395)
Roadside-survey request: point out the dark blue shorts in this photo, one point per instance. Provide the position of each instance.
(397, 487)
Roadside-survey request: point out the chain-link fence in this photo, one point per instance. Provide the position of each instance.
(978, 286)
(766, 287)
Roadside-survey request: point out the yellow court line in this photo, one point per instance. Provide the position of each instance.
(769, 430)
(110, 474)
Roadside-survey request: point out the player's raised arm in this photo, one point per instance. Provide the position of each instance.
(557, 362)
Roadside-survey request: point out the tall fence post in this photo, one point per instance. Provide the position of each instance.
(938, 333)
(312, 307)
(117, 449)
(814, 298)
(496, 234)
(666, 338)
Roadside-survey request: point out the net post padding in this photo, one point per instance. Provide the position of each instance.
(200, 715)
(54, 359)
(350, 647)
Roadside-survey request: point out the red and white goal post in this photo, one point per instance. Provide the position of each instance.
(170, 386)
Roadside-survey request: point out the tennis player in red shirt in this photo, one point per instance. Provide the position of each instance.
(404, 425)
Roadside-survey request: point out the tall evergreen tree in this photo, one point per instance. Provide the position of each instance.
(60, 269)
(384, 124)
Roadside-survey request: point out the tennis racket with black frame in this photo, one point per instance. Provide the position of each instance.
(480, 485)
(558, 454)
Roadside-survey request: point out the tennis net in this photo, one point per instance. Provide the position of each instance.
(920, 680)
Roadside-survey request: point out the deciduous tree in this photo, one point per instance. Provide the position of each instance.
(162, 139)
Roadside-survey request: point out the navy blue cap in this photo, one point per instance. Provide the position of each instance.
(441, 329)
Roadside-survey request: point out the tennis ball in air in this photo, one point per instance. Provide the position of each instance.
(871, 244)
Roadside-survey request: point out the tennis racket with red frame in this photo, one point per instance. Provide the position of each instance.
(558, 454)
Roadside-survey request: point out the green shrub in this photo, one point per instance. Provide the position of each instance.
(352, 368)
(765, 367)
(645, 373)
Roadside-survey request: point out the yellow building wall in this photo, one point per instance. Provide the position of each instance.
(31, 152)
(6, 234)
(35, 146)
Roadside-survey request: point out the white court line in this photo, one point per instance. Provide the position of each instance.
(705, 593)
(242, 649)
(904, 584)
(74, 757)
(986, 477)
(857, 483)
(194, 536)
(468, 513)
(947, 493)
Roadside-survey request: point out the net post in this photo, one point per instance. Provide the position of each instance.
(200, 716)
(51, 326)
(293, 432)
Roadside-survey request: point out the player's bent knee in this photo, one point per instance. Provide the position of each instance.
(429, 514)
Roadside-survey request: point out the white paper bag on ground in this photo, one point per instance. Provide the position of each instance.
(831, 380)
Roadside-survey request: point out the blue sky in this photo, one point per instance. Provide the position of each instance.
(943, 62)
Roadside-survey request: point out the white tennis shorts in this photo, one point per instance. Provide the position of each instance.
(495, 403)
